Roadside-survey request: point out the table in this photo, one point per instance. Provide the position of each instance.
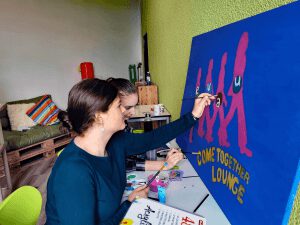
(188, 193)
(140, 111)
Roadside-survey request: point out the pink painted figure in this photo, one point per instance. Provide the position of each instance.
(237, 103)
(206, 115)
(217, 110)
(197, 92)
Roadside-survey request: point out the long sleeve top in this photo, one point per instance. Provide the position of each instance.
(84, 189)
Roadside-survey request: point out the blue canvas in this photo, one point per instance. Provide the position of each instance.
(246, 146)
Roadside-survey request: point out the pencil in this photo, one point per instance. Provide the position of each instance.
(200, 203)
(152, 179)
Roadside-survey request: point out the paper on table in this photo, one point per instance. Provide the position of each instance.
(148, 212)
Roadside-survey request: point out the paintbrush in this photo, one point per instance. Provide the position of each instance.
(155, 175)
(197, 96)
(163, 150)
(184, 152)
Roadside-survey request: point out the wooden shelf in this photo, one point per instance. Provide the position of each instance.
(36, 151)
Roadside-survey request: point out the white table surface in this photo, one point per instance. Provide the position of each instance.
(188, 193)
(140, 111)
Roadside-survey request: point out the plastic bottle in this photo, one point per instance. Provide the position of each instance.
(148, 123)
(148, 126)
(132, 73)
(148, 78)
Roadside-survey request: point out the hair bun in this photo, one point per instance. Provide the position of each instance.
(110, 79)
(64, 118)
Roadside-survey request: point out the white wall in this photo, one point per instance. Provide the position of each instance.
(42, 43)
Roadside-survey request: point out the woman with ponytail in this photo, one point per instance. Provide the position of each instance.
(89, 177)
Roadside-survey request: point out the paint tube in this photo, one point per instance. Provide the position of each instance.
(161, 194)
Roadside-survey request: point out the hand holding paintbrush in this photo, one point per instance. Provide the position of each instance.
(201, 101)
(155, 175)
(140, 192)
(199, 96)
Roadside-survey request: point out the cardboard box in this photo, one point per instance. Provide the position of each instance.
(148, 95)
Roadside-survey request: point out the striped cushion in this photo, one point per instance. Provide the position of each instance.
(44, 112)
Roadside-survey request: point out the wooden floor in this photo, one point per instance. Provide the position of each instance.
(35, 174)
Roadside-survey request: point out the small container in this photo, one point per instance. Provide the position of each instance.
(160, 180)
(148, 78)
(156, 110)
(161, 108)
(175, 175)
(148, 126)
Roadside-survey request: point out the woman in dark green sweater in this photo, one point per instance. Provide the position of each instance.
(88, 179)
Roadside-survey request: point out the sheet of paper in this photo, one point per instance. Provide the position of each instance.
(147, 212)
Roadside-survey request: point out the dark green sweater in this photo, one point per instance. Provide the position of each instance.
(84, 189)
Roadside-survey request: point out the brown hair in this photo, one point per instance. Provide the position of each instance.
(87, 98)
(124, 86)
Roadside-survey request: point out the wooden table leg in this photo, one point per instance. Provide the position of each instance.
(7, 173)
(6, 170)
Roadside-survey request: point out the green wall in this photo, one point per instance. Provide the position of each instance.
(171, 24)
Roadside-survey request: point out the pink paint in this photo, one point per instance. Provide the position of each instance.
(206, 115)
(196, 93)
(237, 102)
(161, 181)
(216, 110)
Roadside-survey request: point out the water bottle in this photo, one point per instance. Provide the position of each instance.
(148, 126)
(132, 73)
(148, 78)
(148, 123)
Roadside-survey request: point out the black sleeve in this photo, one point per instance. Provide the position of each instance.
(75, 188)
(139, 143)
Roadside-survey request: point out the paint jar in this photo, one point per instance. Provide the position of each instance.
(161, 108)
(160, 180)
(175, 175)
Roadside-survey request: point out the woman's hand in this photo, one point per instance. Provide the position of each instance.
(139, 192)
(173, 157)
(200, 103)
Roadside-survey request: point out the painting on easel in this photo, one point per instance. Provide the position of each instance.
(246, 146)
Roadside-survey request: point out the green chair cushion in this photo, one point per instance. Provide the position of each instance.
(19, 139)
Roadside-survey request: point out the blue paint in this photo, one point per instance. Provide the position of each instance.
(270, 89)
(161, 194)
